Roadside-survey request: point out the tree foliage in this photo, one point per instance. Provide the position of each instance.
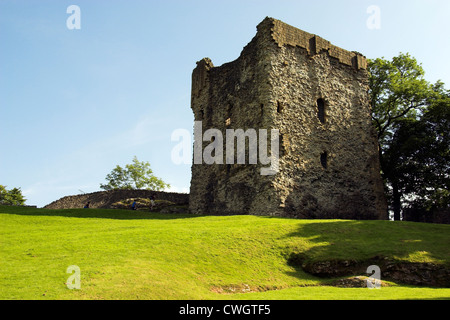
(418, 157)
(398, 90)
(11, 197)
(412, 120)
(137, 175)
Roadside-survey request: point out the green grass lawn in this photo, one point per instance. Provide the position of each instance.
(140, 255)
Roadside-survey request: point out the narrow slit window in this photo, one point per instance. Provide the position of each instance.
(321, 110)
(324, 160)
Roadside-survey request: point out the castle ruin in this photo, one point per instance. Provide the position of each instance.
(316, 95)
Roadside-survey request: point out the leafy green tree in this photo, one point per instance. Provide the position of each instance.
(3, 194)
(419, 156)
(407, 111)
(137, 175)
(11, 197)
(118, 178)
(398, 90)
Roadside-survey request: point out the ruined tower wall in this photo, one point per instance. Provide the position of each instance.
(328, 166)
(232, 96)
(328, 169)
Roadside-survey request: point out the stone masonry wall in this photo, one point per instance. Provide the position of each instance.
(226, 97)
(104, 199)
(329, 166)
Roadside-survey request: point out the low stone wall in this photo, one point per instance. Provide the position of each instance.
(104, 199)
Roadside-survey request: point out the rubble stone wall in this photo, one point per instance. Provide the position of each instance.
(283, 79)
(104, 199)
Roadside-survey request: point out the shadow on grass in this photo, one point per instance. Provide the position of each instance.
(418, 252)
(360, 240)
(117, 214)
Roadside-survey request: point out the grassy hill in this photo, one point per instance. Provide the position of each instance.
(126, 254)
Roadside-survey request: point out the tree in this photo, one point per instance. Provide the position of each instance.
(407, 113)
(11, 197)
(420, 157)
(397, 91)
(137, 175)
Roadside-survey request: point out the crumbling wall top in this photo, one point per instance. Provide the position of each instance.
(200, 75)
(284, 34)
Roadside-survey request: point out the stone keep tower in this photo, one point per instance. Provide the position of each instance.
(316, 95)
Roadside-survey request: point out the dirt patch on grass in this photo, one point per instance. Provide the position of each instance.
(240, 288)
(348, 282)
(357, 282)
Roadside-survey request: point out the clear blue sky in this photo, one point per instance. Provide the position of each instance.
(75, 103)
